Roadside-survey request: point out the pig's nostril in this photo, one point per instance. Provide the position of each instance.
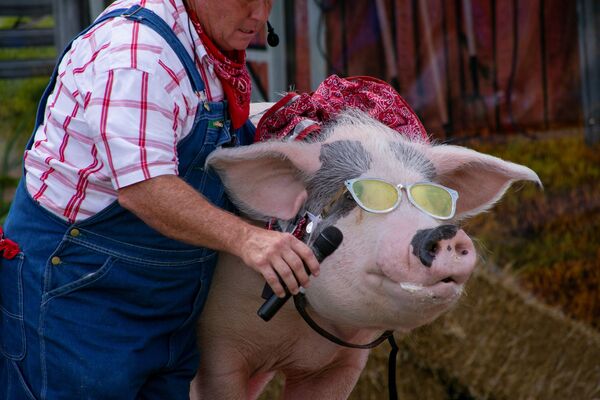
(462, 249)
(448, 280)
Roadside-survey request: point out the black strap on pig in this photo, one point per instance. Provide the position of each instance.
(392, 390)
(300, 303)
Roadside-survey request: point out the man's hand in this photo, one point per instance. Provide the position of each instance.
(273, 253)
(175, 209)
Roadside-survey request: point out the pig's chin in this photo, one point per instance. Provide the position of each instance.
(418, 304)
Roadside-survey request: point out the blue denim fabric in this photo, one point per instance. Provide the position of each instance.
(106, 308)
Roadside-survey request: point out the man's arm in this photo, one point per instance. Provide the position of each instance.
(175, 209)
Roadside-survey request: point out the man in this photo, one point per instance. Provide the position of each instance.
(106, 262)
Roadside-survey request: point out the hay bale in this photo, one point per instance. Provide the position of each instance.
(501, 343)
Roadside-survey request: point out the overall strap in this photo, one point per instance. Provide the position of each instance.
(142, 15)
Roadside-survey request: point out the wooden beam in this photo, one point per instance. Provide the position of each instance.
(26, 37)
(30, 8)
(26, 68)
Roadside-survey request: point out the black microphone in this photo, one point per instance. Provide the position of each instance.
(272, 37)
(324, 245)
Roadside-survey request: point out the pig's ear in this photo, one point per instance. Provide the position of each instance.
(267, 179)
(479, 179)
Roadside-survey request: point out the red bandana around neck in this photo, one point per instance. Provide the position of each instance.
(232, 73)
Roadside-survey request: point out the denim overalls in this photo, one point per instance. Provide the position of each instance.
(106, 308)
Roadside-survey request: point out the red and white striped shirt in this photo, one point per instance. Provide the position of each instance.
(121, 103)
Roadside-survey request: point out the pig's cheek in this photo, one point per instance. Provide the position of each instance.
(393, 259)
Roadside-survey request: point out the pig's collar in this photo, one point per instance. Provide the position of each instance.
(298, 229)
(302, 226)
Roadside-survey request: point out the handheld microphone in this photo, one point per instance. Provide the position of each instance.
(272, 37)
(324, 245)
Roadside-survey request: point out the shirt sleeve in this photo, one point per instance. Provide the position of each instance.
(136, 125)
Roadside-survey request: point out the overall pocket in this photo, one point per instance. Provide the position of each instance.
(72, 267)
(12, 331)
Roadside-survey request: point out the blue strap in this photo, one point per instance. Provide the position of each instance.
(139, 14)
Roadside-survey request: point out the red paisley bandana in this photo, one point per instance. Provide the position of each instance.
(8, 248)
(298, 116)
(231, 72)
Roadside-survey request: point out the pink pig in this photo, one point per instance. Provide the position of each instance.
(393, 271)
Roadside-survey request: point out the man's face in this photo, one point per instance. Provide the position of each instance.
(232, 24)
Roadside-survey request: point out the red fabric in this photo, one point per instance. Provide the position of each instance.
(334, 95)
(232, 73)
(8, 248)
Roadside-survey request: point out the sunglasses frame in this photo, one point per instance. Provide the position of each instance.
(453, 195)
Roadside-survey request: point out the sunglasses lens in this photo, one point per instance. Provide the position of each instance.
(435, 200)
(375, 195)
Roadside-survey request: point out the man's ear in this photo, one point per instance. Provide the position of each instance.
(479, 179)
(267, 179)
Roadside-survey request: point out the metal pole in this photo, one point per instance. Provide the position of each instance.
(96, 7)
(588, 13)
(69, 19)
(318, 66)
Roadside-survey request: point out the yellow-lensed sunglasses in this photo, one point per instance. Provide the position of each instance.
(379, 196)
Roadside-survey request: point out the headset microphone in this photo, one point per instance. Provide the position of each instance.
(272, 37)
(324, 245)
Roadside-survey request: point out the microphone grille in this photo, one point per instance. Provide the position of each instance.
(328, 240)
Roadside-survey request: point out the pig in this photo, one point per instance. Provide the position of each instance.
(393, 271)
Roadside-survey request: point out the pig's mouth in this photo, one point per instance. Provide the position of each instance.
(444, 291)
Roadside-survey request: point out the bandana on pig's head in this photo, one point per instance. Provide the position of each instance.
(298, 116)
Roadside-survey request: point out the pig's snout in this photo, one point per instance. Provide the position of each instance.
(448, 250)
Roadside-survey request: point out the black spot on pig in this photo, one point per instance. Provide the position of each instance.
(413, 159)
(341, 160)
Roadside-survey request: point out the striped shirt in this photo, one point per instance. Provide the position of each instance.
(121, 103)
